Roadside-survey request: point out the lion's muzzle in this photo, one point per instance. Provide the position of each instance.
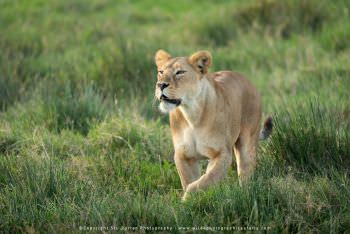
(164, 98)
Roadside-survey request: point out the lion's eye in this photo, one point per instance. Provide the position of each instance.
(180, 72)
(160, 72)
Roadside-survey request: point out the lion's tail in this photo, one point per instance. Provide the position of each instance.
(267, 129)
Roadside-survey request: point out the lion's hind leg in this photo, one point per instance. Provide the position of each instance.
(245, 153)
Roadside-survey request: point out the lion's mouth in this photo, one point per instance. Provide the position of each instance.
(172, 101)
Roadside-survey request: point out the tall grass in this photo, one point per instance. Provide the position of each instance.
(313, 142)
(266, 18)
(72, 107)
(82, 143)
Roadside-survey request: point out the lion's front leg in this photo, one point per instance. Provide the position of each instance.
(217, 170)
(188, 169)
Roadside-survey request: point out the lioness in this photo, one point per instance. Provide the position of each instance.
(211, 114)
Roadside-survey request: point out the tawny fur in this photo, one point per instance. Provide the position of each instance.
(219, 113)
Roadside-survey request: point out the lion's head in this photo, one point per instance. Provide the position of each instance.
(179, 78)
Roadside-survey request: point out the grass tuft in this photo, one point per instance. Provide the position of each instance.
(72, 107)
(311, 138)
(82, 144)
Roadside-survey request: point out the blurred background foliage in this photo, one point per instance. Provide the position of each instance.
(82, 141)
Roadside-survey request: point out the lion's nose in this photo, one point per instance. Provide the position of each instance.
(162, 85)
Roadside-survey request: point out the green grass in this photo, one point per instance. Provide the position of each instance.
(83, 144)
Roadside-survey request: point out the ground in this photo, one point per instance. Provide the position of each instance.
(82, 143)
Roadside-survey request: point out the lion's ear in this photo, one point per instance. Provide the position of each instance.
(201, 61)
(161, 57)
